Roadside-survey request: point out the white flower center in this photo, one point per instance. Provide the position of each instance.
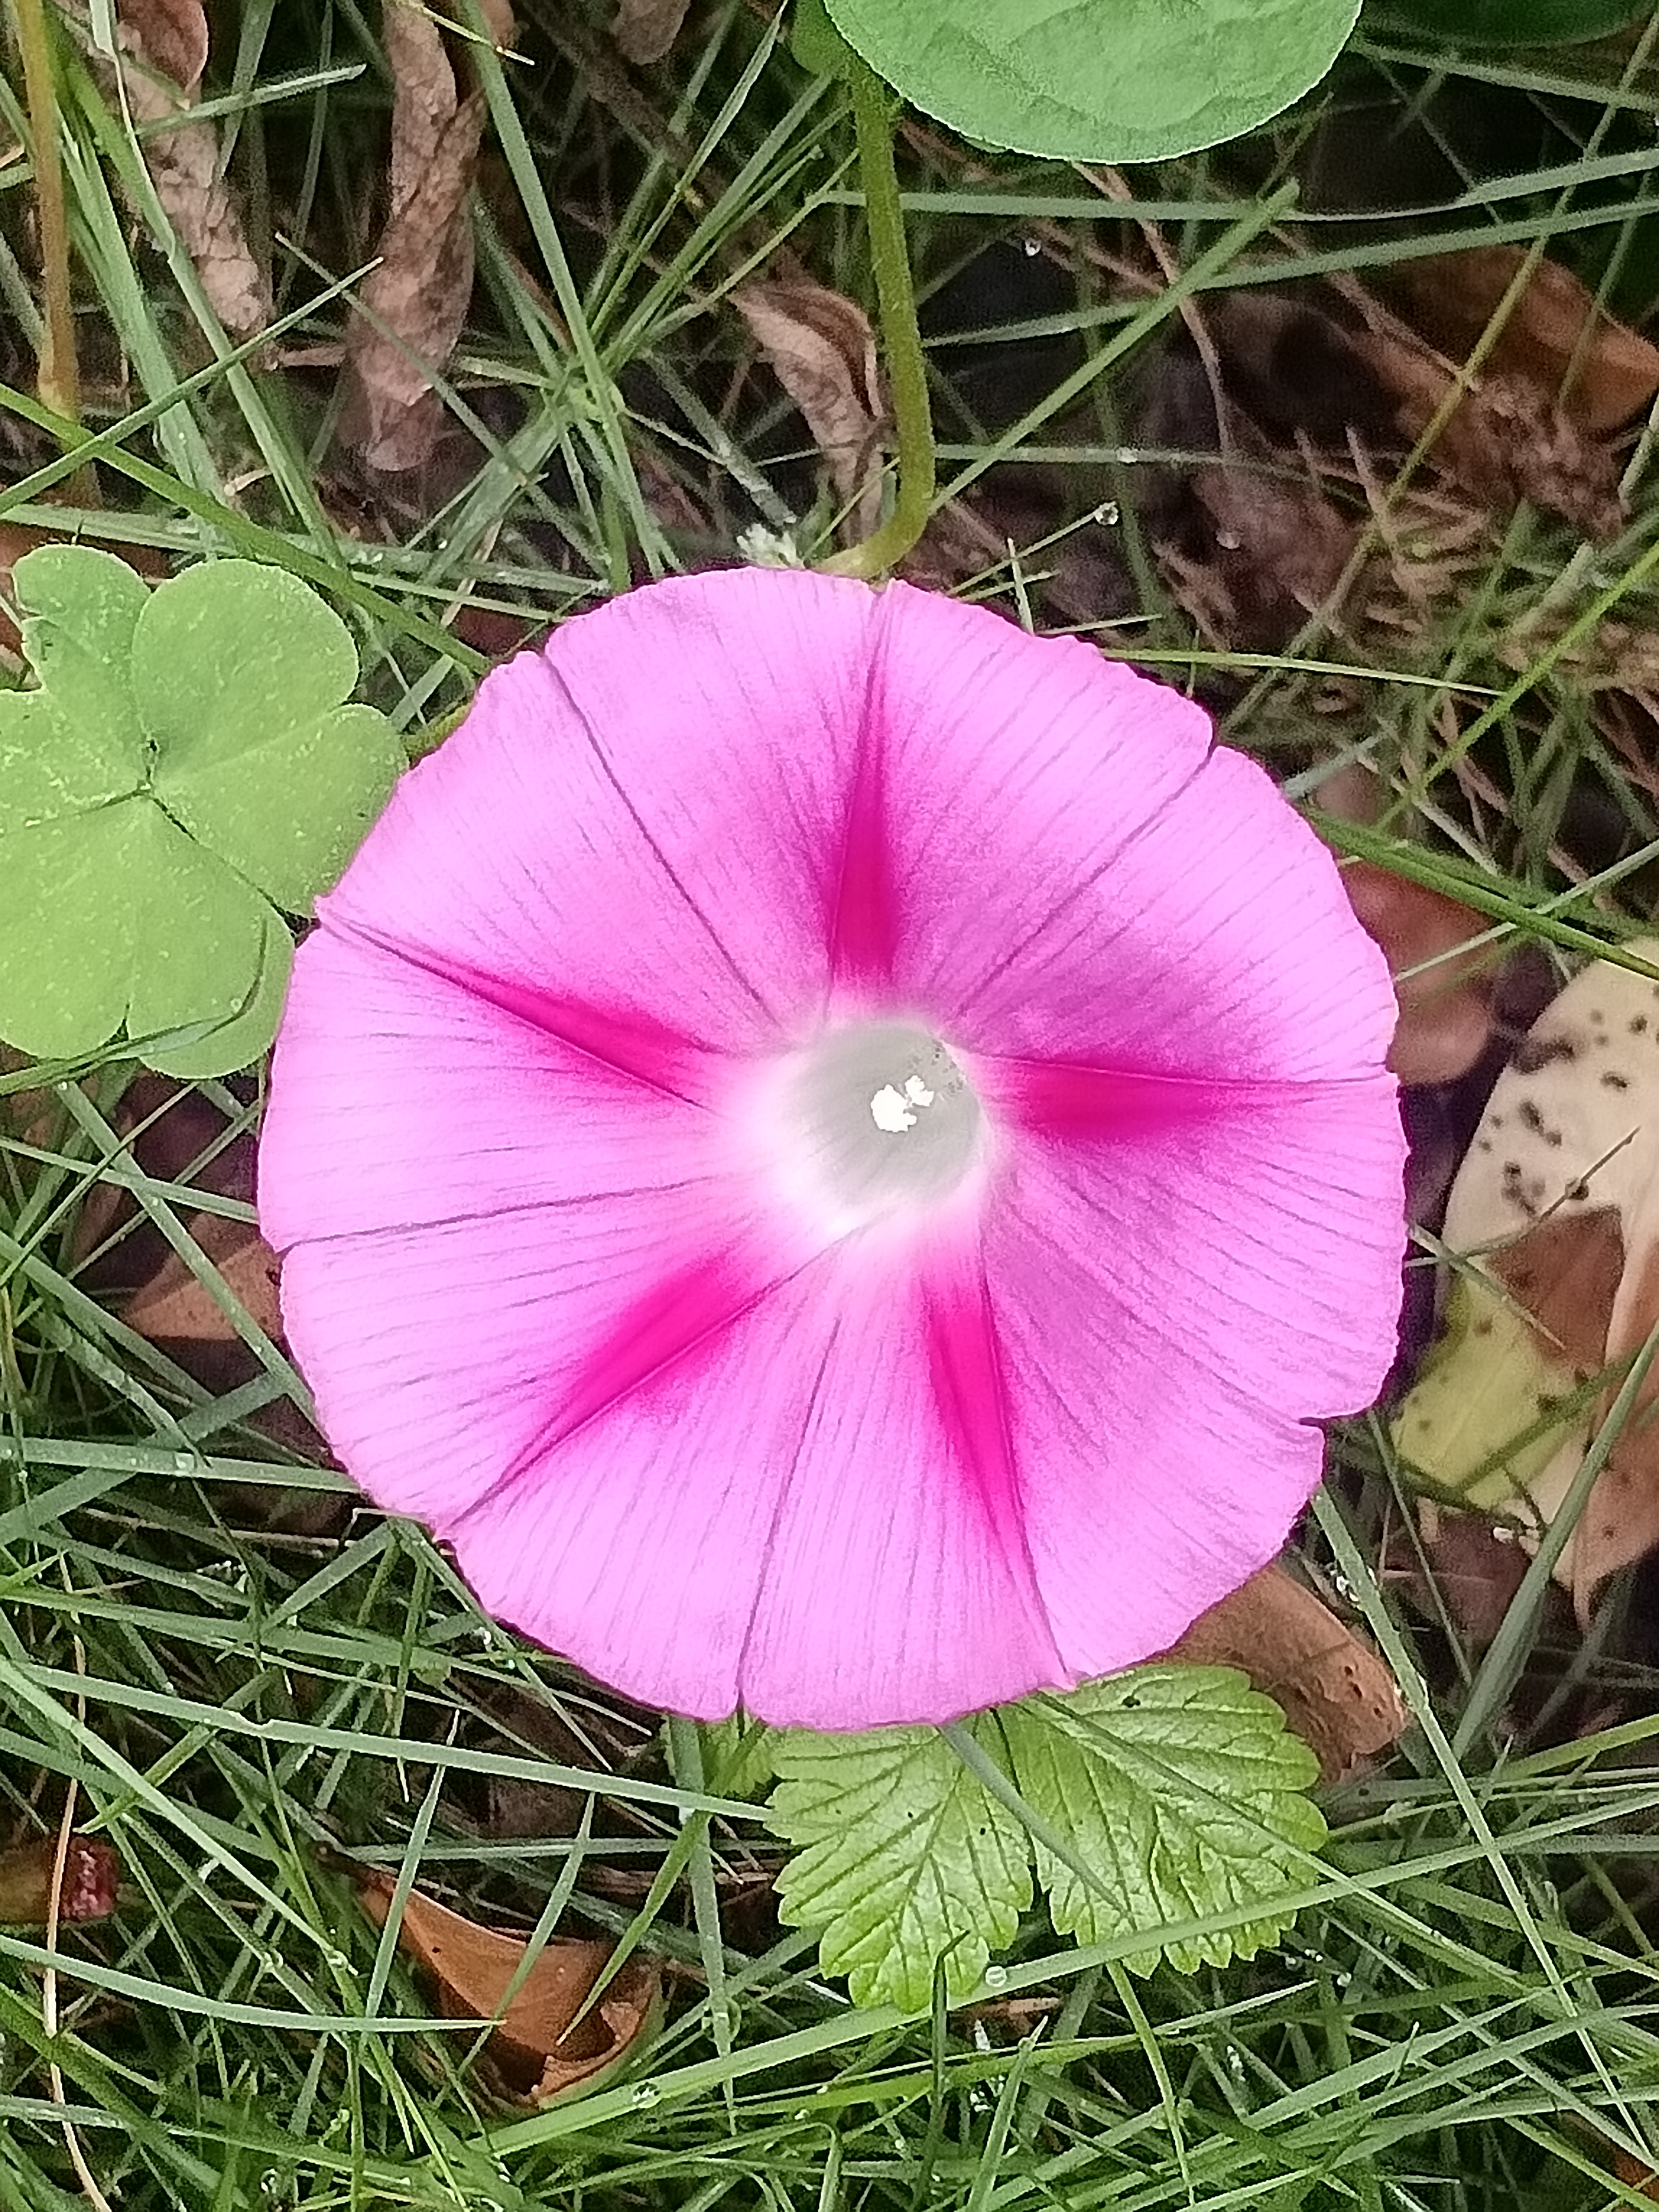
(873, 1120)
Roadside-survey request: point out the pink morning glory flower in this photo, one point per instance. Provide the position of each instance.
(835, 1151)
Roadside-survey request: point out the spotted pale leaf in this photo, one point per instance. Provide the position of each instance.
(1177, 1789)
(184, 772)
(1554, 1223)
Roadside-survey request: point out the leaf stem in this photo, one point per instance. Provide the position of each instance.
(895, 301)
(59, 379)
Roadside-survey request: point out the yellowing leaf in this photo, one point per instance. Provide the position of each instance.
(1555, 1213)
(1480, 1419)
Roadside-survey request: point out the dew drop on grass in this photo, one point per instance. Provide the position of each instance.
(647, 2093)
(995, 1976)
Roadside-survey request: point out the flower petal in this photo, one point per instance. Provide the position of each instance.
(1175, 1305)
(401, 1096)
(741, 1490)
(899, 1584)
(650, 813)
(549, 1291)
(1084, 876)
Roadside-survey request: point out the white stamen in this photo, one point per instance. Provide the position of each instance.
(888, 1111)
(839, 1104)
(890, 1108)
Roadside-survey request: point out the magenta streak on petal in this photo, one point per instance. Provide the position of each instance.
(682, 1318)
(864, 924)
(970, 1396)
(1058, 1098)
(619, 1037)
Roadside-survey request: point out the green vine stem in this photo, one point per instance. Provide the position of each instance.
(58, 376)
(895, 301)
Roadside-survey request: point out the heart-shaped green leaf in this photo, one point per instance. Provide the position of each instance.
(1099, 80)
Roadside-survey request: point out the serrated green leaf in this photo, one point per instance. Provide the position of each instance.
(1099, 80)
(902, 1860)
(1182, 1792)
(739, 1756)
(185, 766)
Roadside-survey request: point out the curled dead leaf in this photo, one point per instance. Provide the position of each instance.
(646, 29)
(414, 302)
(1274, 552)
(824, 352)
(547, 2040)
(1337, 1694)
(1442, 975)
(1553, 329)
(1505, 440)
(162, 51)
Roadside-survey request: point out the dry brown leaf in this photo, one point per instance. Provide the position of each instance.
(181, 1316)
(1504, 441)
(415, 300)
(1477, 1571)
(1337, 1694)
(1634, 2173)
(174, 1307)
(1277, 550)
(646, 29)
(822, 348)
(28, 1874)
(163, 52)
(540, 2049)
(1445, 991)
(1554, 325)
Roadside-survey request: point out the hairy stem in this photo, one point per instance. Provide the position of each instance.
(896, 300)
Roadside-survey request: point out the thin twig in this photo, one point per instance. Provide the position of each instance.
(58, 372)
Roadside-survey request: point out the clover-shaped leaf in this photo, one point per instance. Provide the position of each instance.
(185, 772)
